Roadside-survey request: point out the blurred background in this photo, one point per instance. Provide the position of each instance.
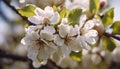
(12, 52)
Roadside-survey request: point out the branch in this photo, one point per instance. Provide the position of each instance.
(14, 9)
(8, 55)
(111, 35)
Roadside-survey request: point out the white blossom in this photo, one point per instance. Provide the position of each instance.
(66, 38)
(87, 36)
(45, 17)
(83, 4)
(39, 47)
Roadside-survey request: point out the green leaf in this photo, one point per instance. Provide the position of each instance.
(54, 8)
(76, 55)
(73, 16)
(27, 11)
(63, 13)
(94, 6)
(108, 43)
(108, 17)
(116, 27)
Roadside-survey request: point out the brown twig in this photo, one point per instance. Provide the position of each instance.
(111, 35)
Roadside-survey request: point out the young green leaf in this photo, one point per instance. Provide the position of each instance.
(76, 55)
(27, 11)
(108, 17)
(116, 27)
(94, 6)
(73, 16)
(108, 43)
(63, 12)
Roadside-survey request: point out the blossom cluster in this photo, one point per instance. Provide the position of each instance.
(48, 38)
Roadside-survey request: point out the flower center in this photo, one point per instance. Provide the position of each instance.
(40, 44)
(46, 21)
(67, 39)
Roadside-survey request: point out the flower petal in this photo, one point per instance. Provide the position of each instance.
(63, 30)
(49, 30)
(83, 43)
(65, 50)
(89, 25)
(91, 40)
(74, 45)
(43, 54)
(36, 19)
(91, 33)
(48, 11)
(39, 12)
(58, 40)
(73, 31)
(64, 21)
(82, 20)
(55, 18)
(32, 53)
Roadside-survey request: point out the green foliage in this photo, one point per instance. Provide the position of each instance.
(54, 8)
(108, 17)
(27, 11)
(94, 6)
(76, 55)
(62, 12)
(73, 16)
(116, 27)
(108, 43)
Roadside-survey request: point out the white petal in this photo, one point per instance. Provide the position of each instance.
(49, 30)
(74, 45)
(43, 54)
(89, 24)
(82, 43)
(53, 46)
(48, 11)
(82, 20)
(91, 33)
(39, 12)
(55, 18)
(90, 40)
(57, 58)
(47, 33)
(73, 31)
(30, 38)
(32, 53)
(31, 29)
(36, 64)
(96, 59)
(63, 30)
(65, 50)
(36, 19)
(58, 40)
(64, 21)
